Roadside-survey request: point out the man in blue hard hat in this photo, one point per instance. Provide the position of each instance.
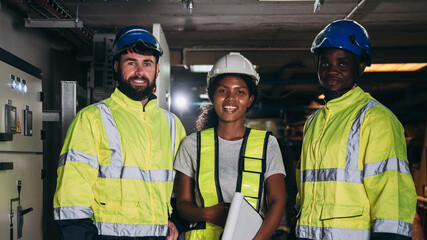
(353, 179)
(115, 173)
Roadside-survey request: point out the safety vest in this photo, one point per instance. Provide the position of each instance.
(353, 177)
(116, 167)
(250, 179)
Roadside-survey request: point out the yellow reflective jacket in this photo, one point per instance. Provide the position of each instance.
(353, 178)
(250, 179)
(116, 167)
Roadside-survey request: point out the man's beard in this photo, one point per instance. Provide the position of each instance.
(138, 93)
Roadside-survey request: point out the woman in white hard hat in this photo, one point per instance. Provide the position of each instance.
(225, 157)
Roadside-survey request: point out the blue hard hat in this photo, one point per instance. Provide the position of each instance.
(135, 35)
(345, 34)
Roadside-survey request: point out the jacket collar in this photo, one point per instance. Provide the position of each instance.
(125, 101)
(349, 98)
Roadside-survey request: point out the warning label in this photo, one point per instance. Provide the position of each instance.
(18, 126)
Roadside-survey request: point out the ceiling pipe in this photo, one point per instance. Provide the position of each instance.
(358, 6)
(77, 13)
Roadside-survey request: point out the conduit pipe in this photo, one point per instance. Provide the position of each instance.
(358, 6)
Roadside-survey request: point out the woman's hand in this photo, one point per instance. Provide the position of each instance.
(217, 214)
(189, 211)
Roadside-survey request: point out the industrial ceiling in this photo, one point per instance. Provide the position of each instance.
(274, 35)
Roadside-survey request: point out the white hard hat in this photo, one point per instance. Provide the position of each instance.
(233, 62)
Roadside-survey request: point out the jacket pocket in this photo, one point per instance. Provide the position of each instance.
(331, 211)
(117, 211)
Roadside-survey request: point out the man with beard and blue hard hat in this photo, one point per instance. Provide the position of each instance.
(353, 179)
(115, 173)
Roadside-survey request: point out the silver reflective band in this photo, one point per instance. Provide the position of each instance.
(77, 156)
(392, 226)
(131, 230)
(133, 172)
(352, 152)
(78, 212)
(391, 164)
(303, 231)
(116, 169)
(332, 174)
(112, 134)
(350, 173)
(355, 176)
(311, 119)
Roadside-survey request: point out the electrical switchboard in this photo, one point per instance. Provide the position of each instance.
(21, 159)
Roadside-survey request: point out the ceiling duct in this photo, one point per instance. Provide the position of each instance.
(52, 14)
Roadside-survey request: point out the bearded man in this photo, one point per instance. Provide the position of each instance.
(115, 173)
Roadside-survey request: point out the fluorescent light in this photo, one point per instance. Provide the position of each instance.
(395, 67)
(201, 68)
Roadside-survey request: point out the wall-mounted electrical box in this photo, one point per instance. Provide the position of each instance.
(10, 122)
(21, 149)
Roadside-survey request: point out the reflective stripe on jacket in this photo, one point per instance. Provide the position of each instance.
(116, 167)
(250, 180)
(353, 177)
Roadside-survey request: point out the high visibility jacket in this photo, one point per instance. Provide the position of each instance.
(353, 178)
(116, 167)
(250, 180)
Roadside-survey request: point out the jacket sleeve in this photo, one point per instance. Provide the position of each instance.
(77, 170)
(180, 134)
(82, 229)
(298, 199)
(387, 178)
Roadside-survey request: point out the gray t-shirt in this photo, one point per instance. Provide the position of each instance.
(186, 162)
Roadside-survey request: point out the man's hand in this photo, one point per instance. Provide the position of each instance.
(172, 231)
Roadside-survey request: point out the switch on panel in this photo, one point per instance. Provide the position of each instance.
(28, 122)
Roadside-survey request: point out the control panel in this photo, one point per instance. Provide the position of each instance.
(21, 150)
(20, 127)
